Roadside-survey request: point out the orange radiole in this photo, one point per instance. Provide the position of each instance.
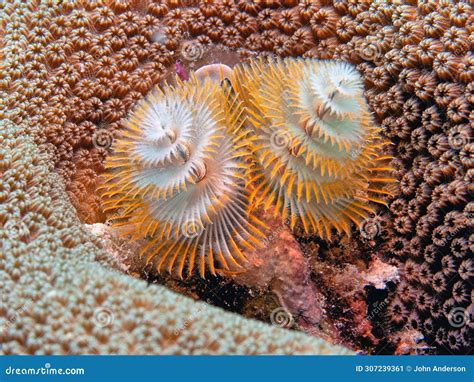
(177, 178)
(318, 156)
(196, 159)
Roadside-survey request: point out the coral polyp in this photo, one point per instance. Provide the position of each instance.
(318, 154)
(176, 178)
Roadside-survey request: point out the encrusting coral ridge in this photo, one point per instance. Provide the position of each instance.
(71, 70)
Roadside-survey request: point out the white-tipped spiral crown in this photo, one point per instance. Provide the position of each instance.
(316, 149)
(177, 178)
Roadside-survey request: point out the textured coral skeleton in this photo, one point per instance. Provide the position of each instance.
(71, 70)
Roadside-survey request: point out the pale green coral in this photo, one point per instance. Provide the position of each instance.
(57, 299)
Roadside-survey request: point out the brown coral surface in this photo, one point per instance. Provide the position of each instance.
(71, 70)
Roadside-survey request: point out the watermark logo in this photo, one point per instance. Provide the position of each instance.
(191, 50)
(47, 369)
(103, 317)
(282, 318)
(458, 317)
(280, 139)
(188, 322)
(102, 139)
(16, 228)
(192, 229)
(458, 140)
(369, 228)
(368, 51)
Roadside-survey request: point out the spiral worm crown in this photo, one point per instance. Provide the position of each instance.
(177, 177)
(317, 154)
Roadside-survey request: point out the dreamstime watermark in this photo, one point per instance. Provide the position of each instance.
(191, 50)
(188, 321)
(15, 316)
(102, 139)
(369, 228)
(103, 317)
(378, 307)
(45, 370)
(192, 228)
(393, 188)
(458, 317)
(355, 152)
(282, 318)
(16, 228)
(274, 234)
(453, 234)
(368, 51)
(159, 36)
(280, 139)
(457, 140)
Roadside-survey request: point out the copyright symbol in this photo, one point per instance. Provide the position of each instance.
(281, 317)
(103, 317)
(369, 228)
(458, 140)
(192, 228)
(102, 139)
(280, 139)
(368, 51)
(192, 50)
